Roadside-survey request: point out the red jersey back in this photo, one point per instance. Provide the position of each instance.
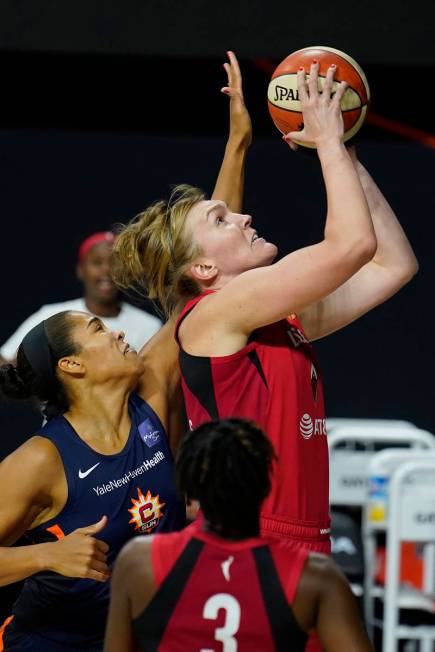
(275, 381)
(214, 595)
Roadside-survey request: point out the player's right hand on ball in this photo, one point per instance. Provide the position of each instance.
(80, 554)
(323, 120)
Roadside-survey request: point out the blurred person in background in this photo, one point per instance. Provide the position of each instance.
(100, 298)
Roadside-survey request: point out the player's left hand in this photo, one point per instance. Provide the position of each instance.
(240, 121)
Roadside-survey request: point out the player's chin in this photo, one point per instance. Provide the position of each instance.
(134, 365)
(267, 252)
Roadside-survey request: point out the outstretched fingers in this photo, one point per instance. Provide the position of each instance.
(302, 85)
(338, 96)
(313, 82)
(327, 86)
(234, 76)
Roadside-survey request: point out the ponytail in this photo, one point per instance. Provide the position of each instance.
(35, 374)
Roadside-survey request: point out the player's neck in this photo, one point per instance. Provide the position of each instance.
(108, 429)
(234, 534)
(111, 309)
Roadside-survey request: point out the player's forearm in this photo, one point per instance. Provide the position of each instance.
(23, 561)
(348, 223)
(393, 249)
(231, 179)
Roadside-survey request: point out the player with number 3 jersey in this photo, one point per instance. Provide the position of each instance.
(223, 587)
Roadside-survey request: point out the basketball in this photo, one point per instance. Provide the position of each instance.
(283, 97)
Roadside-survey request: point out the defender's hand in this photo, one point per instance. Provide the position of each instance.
(240, 121)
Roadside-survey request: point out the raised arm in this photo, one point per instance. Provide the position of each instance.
(230, 182)
(160, 384)
(266, 294)
(324, 602)
(393, 265)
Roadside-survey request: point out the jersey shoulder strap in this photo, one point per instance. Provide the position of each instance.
(151, 624)
(165, 550)
(282, 621)
(190, 305)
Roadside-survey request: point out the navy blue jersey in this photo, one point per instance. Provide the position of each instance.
(134, 488)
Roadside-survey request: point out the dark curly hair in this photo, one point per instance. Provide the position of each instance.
(226, 465)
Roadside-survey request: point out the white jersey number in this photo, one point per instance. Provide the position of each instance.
(231, 626)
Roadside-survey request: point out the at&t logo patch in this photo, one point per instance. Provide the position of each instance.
(308, 427)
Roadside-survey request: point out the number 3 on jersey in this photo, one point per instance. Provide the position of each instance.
(231, 625)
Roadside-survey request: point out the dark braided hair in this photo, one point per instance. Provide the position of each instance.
(23, 381)
(226, 465)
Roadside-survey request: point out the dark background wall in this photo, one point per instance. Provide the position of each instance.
(392, 31)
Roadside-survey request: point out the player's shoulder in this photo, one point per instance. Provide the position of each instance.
(320, 563)
(144, 555)
(137, 547)
(133, 560)
(37, 459)
(135, 551)
(38, 448)
(321, 571)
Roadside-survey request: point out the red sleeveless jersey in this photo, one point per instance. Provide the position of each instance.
(214, 595)
(275, 381)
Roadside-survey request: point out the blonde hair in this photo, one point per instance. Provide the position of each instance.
(152, 253)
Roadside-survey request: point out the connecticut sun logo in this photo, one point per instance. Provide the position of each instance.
(146, 512)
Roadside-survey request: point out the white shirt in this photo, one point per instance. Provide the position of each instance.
(137, 324)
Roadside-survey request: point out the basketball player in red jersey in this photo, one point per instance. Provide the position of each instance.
(224, 587)
(241, 354)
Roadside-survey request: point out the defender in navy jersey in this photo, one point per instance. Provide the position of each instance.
(110, 477)
(96, 475)
(223, 587)
(134, 488)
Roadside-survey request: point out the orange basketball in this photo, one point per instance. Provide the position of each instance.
(283, 97)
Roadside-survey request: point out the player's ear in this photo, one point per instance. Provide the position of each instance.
(204, 271)
(72, 366)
